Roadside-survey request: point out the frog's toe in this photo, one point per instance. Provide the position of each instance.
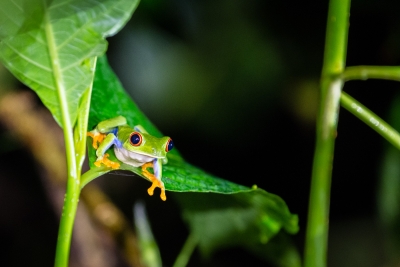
(97, 138)
(162, 195)
(114, 165)
(154, 180)
(161, 186)
(106, 162)
(150, 191)
(97, 163)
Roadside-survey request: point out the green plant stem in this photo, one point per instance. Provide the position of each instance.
(371, 119)
(67, 223)
(78, 144)
(75, 151)
(74, 142)
(331, 86)
(73, 187)
(92, 174)
(150, 253)
(186, 252)
(372, 72)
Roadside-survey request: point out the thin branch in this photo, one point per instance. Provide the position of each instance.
(371, 119)
(372, 72)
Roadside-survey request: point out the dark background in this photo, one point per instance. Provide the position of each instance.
(234, 83)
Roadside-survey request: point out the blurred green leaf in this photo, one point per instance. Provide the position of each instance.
(280, 251)
(237, 215)
(46, 44)
(248, 219)
(388, 193)
(150, 253)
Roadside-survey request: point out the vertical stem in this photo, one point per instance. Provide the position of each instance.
(331, 86)
(67, 223)
(73, 184)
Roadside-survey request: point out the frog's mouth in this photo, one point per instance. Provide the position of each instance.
(132, 158)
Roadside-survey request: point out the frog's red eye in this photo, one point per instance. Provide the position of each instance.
(135, 139)
(170, 145)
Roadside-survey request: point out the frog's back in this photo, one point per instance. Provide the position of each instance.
(124, 131)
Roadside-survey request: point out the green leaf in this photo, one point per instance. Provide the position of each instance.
(236, 215)
(280, 251)
(46, 44)
(109, 99)
(245, 218)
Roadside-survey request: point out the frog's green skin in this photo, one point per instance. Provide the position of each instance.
(150, 150)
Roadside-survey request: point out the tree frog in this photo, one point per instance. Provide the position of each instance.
(133, 146)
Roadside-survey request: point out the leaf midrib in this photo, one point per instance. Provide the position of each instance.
(61, 92)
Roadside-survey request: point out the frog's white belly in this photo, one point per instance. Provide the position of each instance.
(131, 158)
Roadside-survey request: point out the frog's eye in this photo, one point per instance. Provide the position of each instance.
(135, 139)
(170, 145)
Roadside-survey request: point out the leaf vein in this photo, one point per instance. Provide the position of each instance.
(27, 58)
(36, 39)
(34, 79)
(11, 18)
(66, 41)
(20, 8)
(59, 5)
(106, 13)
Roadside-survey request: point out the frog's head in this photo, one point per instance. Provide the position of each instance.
(146, 144)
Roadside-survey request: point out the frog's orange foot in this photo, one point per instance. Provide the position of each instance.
(154, 180)
(155, 184)
(97, 138)
(107, 162)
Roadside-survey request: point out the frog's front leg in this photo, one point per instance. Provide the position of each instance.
(102, 157)
(97, 137)
(154, 178)
(104, 127)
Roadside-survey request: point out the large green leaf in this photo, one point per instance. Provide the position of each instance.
(237, 215)
(47, 44)
(109, 99)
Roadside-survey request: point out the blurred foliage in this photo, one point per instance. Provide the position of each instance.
(245, 220)
(221, 68)
(389, 188)
(150, 254)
